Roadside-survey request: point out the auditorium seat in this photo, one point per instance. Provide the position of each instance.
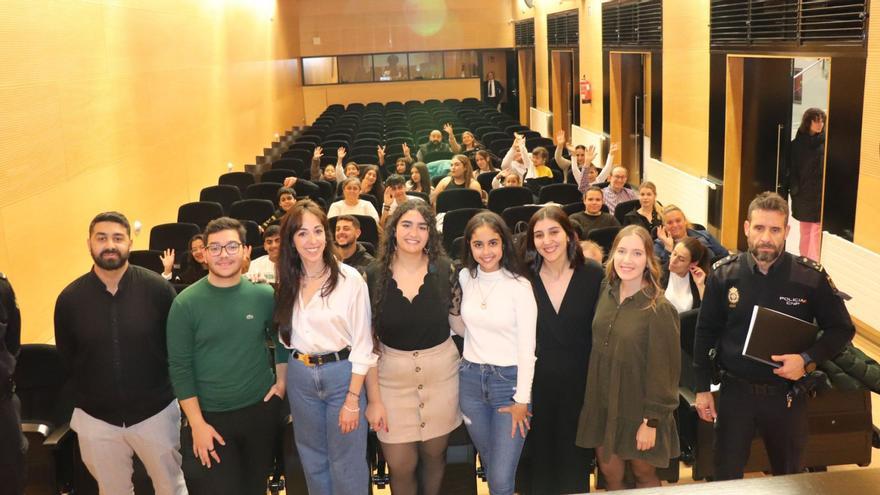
(47, 401)
(625, 207)
(277, 175)
(238, 179)
(559, 193)
(505, 197)
(485, 180)
(199, 212)
(257, 210)
(263, 190)
(604, 236)
(225, 195)
(454, 199)
(454, 223)
(151, 260)
(515, 214)
(295, 164)
(252, 237)
(572, 208)
(174, 236)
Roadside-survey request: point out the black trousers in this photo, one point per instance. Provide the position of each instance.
(247, 459)
(555, 464)
(13, 447)
(740, 412)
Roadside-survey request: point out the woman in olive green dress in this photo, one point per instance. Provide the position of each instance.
(632, 383)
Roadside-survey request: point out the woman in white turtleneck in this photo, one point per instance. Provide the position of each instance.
(685, 280)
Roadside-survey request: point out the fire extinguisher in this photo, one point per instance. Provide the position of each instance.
(586, 91)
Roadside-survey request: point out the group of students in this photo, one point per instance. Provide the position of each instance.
(355, 351)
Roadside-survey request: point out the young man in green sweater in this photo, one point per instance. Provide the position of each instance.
(219, 367)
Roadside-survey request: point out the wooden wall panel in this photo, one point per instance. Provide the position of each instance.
(867, 230)
(686, 85)
(590, 51)
(375, 26)
(131, 106)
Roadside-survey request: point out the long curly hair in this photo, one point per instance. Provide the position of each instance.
(290, 267)
(572, 250)
(651, 275)
(388, 248)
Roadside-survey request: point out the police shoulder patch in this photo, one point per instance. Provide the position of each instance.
(725, 260)
(807, 262)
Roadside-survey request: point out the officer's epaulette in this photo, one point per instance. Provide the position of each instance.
(807, 262)
(725, 260)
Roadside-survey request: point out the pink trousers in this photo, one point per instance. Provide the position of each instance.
(810, 239)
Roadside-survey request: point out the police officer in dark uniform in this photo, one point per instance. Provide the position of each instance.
(12, 443)
(753, 394)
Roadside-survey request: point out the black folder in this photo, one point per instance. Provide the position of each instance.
(772, 333)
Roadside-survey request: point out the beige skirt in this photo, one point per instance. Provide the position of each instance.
(420, 392)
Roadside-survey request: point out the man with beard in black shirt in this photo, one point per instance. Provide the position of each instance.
(110, 333)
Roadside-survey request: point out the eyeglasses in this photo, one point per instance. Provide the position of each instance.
(231, 249)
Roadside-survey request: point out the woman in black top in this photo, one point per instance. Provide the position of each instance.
(648, 214)
(807, 158)
(410, 291)
(566, 289)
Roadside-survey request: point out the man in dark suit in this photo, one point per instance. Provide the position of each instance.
(493, 91)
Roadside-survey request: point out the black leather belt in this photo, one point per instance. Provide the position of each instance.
(755, 388)
(319, 359)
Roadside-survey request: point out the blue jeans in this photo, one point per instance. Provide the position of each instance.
(333, 463)
(483, 388)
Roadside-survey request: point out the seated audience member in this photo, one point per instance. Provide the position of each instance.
(351, 202)
(684, 279)
(593, 217)
(648, 213)
(350, 170)
(329, 174)
(582, 163)
(262, 269)
(530, 166)
(484, 163)
(196, 267)
(469, 145)
(419, 179)
(675, 228)
(507, 178)
(348, 231)
(395, 195)
(400, 165)
(435, 143)
(461, 176)
(616, 192)
(286, 198)
(592, 251)
(371, 182)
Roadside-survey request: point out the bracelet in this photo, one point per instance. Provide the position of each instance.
(356, 396)
(350, 409)
(386, 207)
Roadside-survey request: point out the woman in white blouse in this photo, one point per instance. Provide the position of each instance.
(498, 319)
(323, 313)
(685, 280)
(351, 202)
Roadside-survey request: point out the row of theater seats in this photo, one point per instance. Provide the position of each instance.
(360, 129)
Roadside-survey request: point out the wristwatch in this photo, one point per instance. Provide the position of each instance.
(652, 422)
(809, 364)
